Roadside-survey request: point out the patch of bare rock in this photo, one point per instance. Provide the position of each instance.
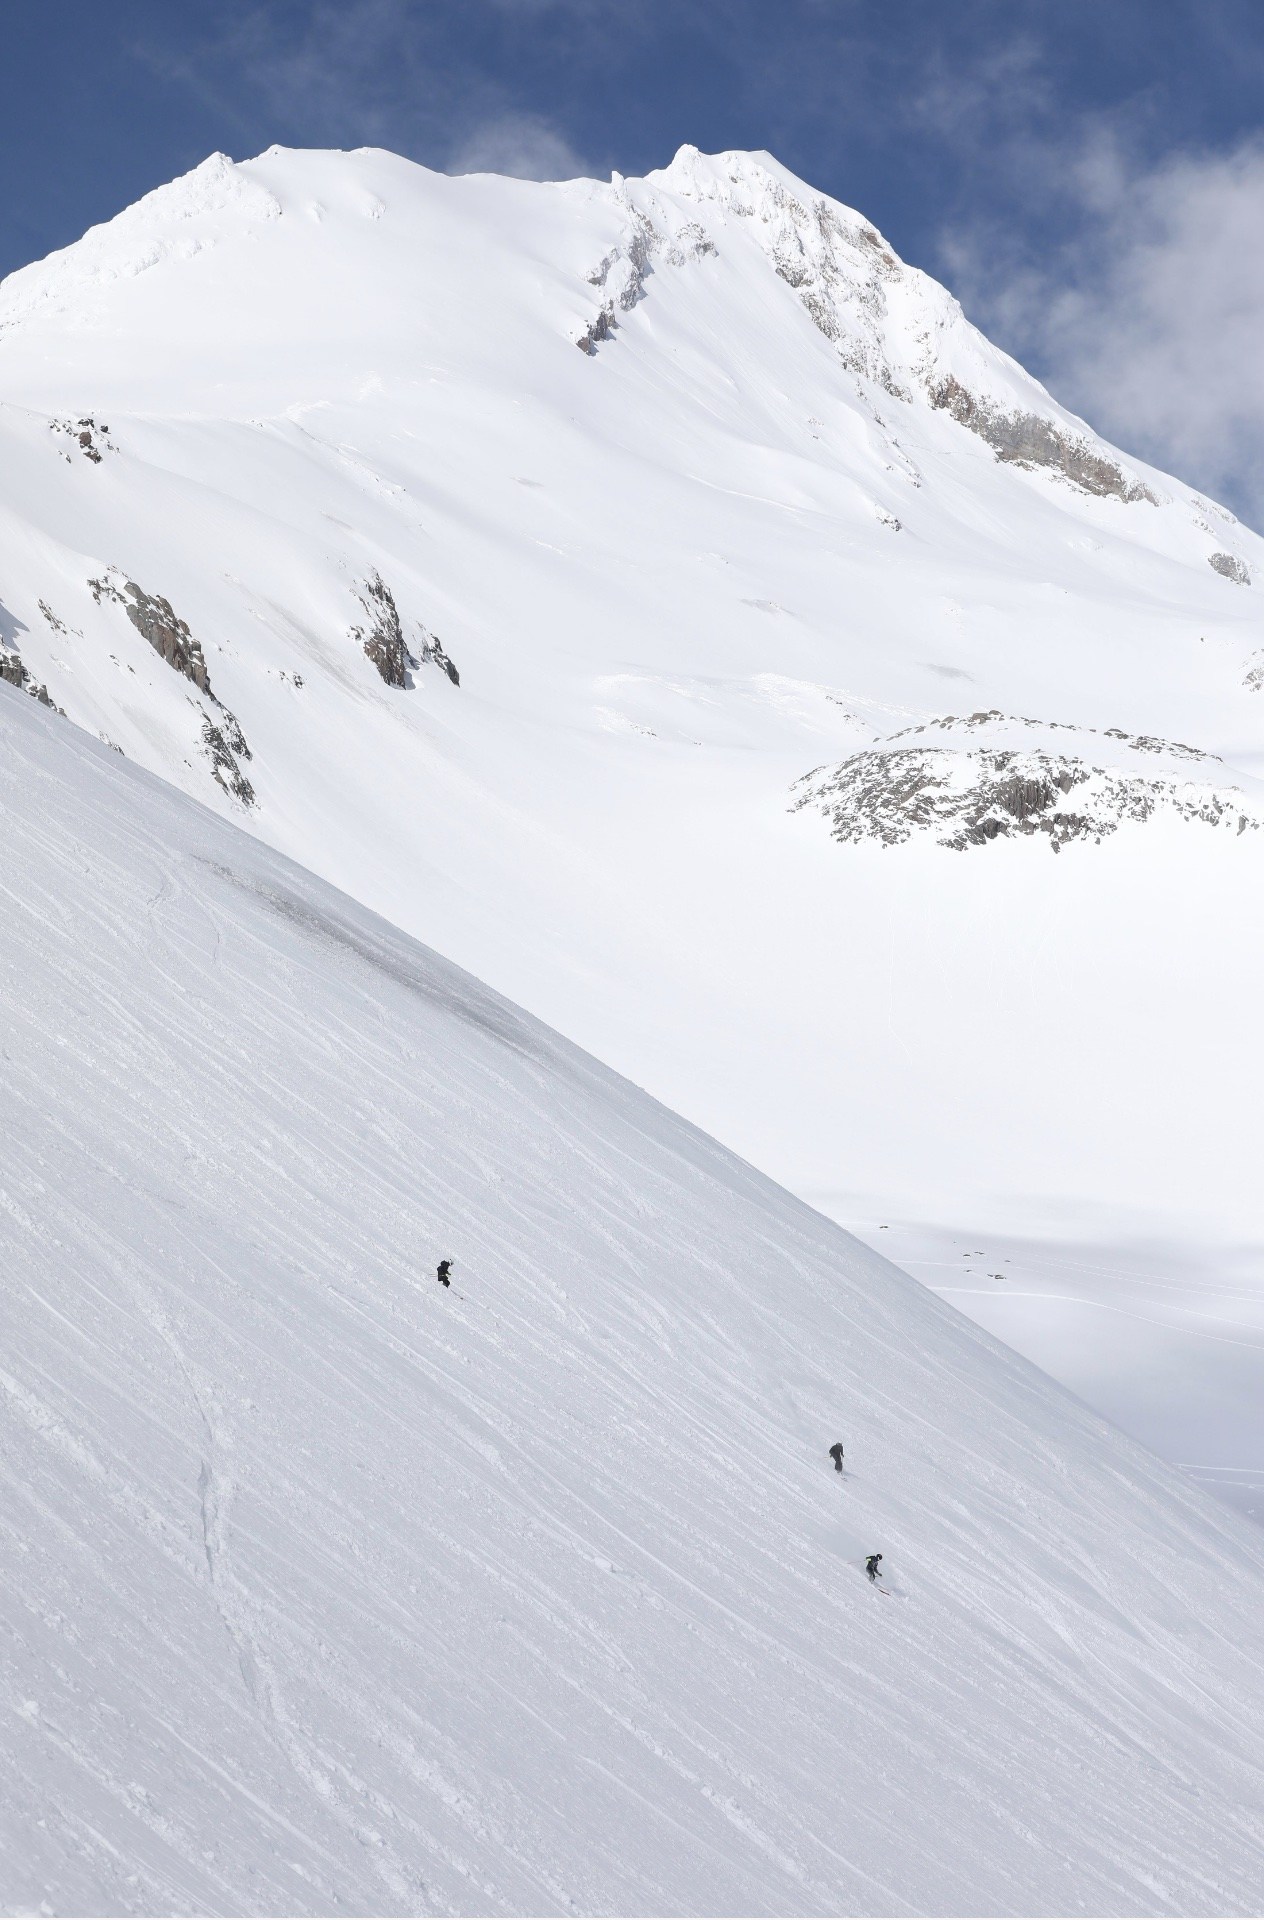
(1229, 567)
(621, 273)
(157, 621)
(1028, 440)
(383, 638)
(15, 673)
(88, 434)
(963, 796)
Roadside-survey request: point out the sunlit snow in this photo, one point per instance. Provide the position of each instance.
(328, 1591)
(755, 532)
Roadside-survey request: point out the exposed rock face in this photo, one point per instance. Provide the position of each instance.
(817, 255)
(1230, 567)
(383, 640)
(839, 267)
(967, 798)
(224, 742)
(888, 325)
(14, 673)
(1028, 440)
(88, 435)
(432, 650)
(621, 274)
(57, 625)
(597, 330)
(993, 717)
(156, 620)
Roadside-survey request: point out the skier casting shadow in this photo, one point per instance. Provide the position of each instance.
(872, 1565)
(836, 1455)
(445, 1273)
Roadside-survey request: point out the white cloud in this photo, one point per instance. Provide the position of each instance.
(336, 72)
(1166, 338)
(1149, 320)
(370, 72)
(520, 144)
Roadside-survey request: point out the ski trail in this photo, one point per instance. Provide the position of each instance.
(318, 1773)
(336, 1597)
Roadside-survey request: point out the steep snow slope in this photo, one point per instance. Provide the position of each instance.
(793, 623)
(331, 1592)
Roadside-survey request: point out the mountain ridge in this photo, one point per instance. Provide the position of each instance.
(674, 576)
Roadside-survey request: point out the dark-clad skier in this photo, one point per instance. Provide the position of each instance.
(445, 1270)
(836, 1455)
(872, 1564)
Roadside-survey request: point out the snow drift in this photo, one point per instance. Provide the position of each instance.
(330, 1592)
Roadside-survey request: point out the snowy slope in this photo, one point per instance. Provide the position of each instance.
(794, 625)
(333, 1593)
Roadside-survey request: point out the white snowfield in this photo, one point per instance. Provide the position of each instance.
(786, 529)
(330, 1592)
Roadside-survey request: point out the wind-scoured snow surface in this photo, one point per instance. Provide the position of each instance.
(330, 1592)
(714, 506)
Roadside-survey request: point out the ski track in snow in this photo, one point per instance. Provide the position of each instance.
(336, 1593)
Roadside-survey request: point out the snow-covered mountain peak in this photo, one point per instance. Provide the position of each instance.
(175, 221)
(310, 502)
(362, 233)
(892, 324)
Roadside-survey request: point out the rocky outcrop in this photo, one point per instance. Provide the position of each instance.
(839, 271)
(57, 625)
(1229, 567)
(14, 674)
(1029, 440)
(89, 435)
(968, 798)
(598, 329)
(993, 718)
(225, 744)
(383, 638)
(837, 265)
(156, 620)
(432, 651)
(621, 273)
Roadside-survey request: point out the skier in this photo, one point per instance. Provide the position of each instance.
(836, 1455)
(445, 1269)
(871, 1566)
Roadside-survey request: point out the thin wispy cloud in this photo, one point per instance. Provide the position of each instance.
(1157, 329)
(1088, 187)
(1140, 299)
(519, 144)
(371, 73)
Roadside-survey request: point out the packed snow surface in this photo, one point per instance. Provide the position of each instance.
(332, 1592)
(511, 554)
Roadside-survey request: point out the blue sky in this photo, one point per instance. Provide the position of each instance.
(1088, 175)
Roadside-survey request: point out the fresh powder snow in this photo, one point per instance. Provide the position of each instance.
(331, 1591)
